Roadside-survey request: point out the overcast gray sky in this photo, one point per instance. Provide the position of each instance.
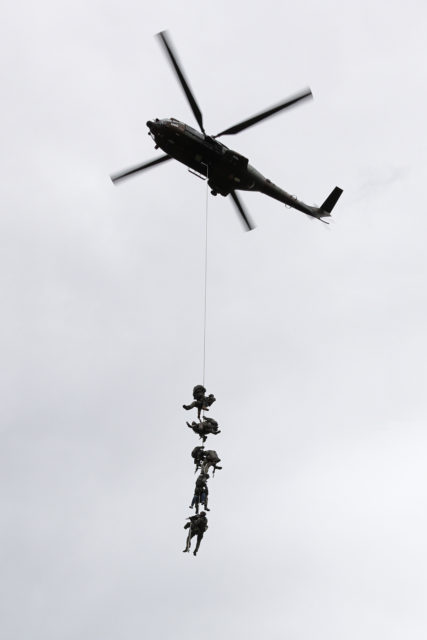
(316, 343)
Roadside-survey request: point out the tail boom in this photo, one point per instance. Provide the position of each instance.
(257, 182)
(324, 211)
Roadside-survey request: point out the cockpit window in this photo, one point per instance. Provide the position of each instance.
(194, 132)
(177, 124)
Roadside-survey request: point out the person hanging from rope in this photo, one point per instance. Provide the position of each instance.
(201, 401)
(197, 527)
(210, 460)
(201, 492)
(198, 455)
(208, 425)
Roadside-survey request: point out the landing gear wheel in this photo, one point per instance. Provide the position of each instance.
(214, 193)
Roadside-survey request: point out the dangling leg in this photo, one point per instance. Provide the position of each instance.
(199, 539)
(201, 407)
(188, 543)
(206, 502)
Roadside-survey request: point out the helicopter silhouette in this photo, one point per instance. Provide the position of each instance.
(226, 170)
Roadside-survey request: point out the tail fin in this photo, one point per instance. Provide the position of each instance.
(330, 202)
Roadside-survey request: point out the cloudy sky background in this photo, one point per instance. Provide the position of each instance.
(316, 344)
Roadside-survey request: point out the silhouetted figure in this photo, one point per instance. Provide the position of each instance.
(197, 527)
(210, 459)
(198, 455)
(201, 492)
(208, 425)
(201, 401)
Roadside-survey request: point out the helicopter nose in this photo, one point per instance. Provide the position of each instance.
(153, 126)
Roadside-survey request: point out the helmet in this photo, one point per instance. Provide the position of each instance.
(199, 388)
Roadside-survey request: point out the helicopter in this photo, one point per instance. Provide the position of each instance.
(225, 170)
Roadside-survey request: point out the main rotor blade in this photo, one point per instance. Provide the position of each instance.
(174, 61)
(266, 114)
(116, 177)
(245, 217)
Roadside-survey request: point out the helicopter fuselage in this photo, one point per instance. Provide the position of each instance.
(225, 169)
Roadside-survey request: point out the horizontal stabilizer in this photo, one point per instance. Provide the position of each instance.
(331, 201)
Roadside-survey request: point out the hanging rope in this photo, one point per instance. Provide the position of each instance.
(206, 276)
